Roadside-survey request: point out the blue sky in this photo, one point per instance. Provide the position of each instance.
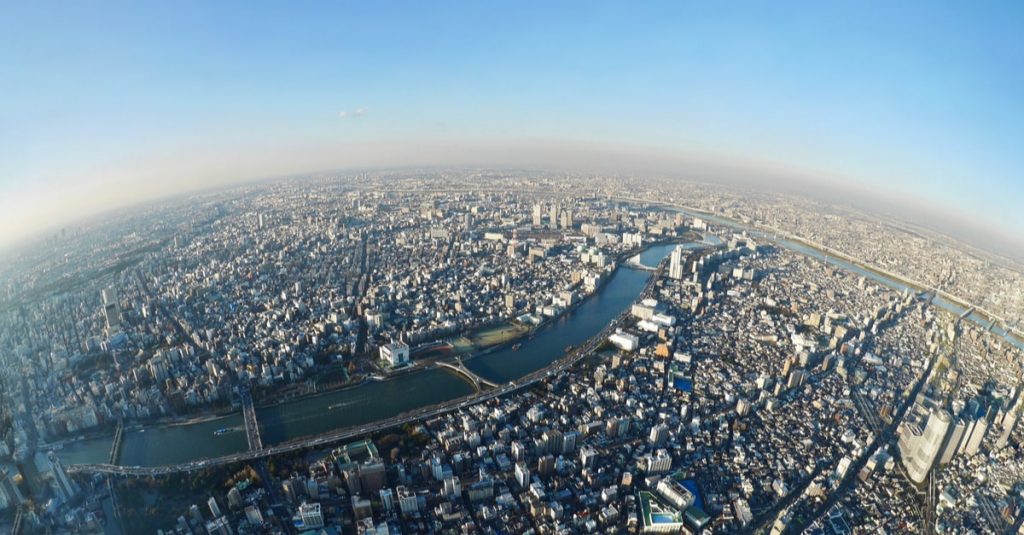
(103, 103)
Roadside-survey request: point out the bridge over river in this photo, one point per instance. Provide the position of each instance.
(461, 369)
(423, 413)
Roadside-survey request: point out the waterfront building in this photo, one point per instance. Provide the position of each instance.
(66, 488)
(624, 341)
(675, 266)
(395, 353)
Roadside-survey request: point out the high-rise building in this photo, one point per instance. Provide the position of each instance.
(920, 443)
(675, 266)
(452, 488)
(219, 526)
(111, 309)
(952, 445)
(567, 221)
(65, 486)
(234, 498)
(253, 515)
(538, 214)
(553, 222)
(311, 516)
(522, 474)
(214, 508)
(395, 353)
(387, 500)
(408, 503)
(10, 489)
(372, 477)
(658, 435)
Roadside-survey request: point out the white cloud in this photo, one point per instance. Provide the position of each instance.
(345, 114)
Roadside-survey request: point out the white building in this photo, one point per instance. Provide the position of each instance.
(675, 266)
(395, 353)
(624, 341)
(310, 515)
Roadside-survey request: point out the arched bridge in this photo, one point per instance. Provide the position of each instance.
(460, 368)
(634, 262)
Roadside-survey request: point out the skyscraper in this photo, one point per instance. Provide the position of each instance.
(920, 445)
(553, 223)
(675, 267)
(214, 508)
(65, 487)
(567, 218)
(10, 490)
(111, 309)
(538, 214)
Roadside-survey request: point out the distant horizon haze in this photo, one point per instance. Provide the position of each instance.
(174, 177)
(914, 108)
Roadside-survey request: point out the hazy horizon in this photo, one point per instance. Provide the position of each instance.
(727, 172)
(107, 108)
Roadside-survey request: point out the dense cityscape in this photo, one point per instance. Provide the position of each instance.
(507, 351)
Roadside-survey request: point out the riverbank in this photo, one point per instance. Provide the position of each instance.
(953, 302)
(380, 401)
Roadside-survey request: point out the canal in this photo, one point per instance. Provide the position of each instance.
(377, 400)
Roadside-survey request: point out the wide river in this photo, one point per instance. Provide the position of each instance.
(377, 400)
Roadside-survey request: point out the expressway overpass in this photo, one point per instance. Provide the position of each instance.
(423, 413)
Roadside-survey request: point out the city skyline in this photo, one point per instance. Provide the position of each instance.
(114, 107)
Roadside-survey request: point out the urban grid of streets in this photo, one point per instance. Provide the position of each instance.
(749, 388)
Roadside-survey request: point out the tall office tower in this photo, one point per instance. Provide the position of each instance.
(311, 516)
(65, 487)
(675, 267)
(553, 223)
(567, 218)
(10, 489)
(1009, 423)
(259, 220)
(111, 308)
(921, 445)
(387, 500)
(972, 442)
(952, 446)
(538, 214)
(214, 508)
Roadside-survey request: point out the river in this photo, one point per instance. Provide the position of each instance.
(377, 400)
(853, 268)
